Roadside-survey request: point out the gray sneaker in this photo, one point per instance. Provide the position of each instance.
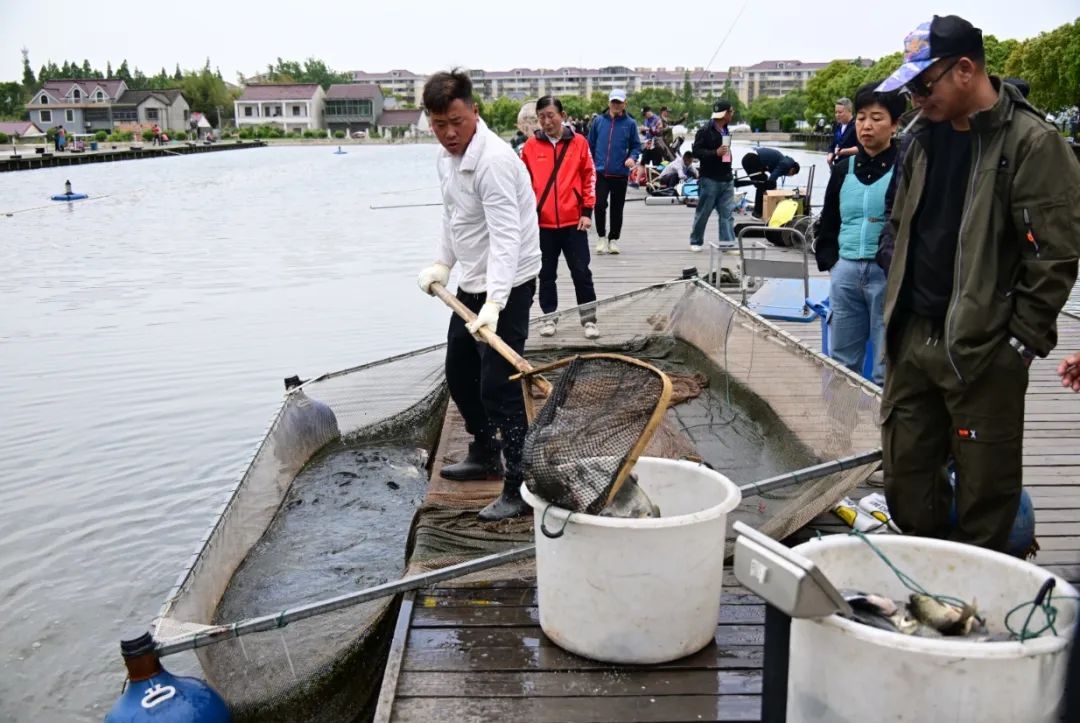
(549, 327)
(591, 332)
(602, 245)
(612, 248)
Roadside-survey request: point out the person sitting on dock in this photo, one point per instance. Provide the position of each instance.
(677, 171)
(490, 231)
(984, 261)
(564, 181)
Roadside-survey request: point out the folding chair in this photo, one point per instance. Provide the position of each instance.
(784, 289)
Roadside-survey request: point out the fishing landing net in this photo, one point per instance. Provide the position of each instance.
(602, 412)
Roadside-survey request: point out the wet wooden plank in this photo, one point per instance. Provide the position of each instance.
(663, 709)
(491, 616)
(524, 594)
(528, 638)
(557, 684)
(457, 658)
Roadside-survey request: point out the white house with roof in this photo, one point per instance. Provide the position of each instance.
(411, 123)
(293, 106)
(20, 129)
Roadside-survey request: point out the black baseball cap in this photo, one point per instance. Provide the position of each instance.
(720, 107)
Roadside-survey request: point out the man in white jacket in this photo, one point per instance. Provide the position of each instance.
(490, 231)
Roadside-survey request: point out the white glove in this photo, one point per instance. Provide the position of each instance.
(435, 273)
(488, 316)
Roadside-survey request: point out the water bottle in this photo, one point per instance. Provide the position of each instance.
(155, 694)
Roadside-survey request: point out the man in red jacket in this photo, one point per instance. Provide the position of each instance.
(564, 181)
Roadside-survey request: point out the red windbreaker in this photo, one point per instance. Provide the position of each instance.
(574, 193)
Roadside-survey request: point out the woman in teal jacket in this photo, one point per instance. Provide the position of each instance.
(847, 238)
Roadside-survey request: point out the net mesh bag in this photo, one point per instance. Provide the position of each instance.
(601, 414)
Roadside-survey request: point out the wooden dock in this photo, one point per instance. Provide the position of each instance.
(27, 158)
(475, 652)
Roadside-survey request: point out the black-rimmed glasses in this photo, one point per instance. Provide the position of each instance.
(923, 88)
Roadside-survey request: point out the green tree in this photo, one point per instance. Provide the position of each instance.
(178, 76)
(12, 100)
(108, 69)
(1050, 63)
(998, 53)
(123, 73)
(502, 113)
(206, 93)
(312, 71)
(598, 101)
(87, 71)
(575, 106)
(28, 80)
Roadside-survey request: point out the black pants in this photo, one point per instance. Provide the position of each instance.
(928, 414)
(479, 379)
(574, 245)
(616, 186)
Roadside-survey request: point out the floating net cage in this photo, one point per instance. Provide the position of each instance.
(747, 398)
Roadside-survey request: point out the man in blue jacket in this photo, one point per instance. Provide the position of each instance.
(615, 147)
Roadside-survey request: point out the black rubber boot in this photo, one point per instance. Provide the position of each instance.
(483, 462)
(508, 504)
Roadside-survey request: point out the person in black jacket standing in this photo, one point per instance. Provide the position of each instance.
(844, 141)
(716, 186)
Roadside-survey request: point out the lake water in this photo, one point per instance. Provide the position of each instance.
(143, 341)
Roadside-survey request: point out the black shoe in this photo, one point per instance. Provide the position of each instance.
(482, 463)
(508, 504)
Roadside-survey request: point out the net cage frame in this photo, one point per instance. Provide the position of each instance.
(690, 311)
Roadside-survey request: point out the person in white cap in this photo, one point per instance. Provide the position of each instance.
(615, 147)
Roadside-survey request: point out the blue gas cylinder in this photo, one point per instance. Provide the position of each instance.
(162, 697)
(1022, 535)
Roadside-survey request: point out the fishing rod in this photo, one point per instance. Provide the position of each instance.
(403, 205)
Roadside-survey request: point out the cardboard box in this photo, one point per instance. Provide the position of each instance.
(773, 199)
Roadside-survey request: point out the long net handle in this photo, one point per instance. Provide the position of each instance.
(491, 338)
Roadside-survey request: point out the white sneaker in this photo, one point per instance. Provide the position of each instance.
(612, 248)
(602, 245)
(696, 248)
(591, 332)
(549, 327)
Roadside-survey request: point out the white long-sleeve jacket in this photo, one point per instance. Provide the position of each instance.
(489, 217)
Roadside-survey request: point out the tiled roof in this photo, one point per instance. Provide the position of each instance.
(289, 91)
(353, 91)
(59, 89)
(136, 97)
(18, 128)
(400, 117)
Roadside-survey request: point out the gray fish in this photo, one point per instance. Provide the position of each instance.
(630, 501)
(943, 617)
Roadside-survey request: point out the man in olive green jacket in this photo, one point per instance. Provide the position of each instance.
(987, 227)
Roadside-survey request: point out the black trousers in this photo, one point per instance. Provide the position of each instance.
(574, 245)
(479, 379)
(616, 186)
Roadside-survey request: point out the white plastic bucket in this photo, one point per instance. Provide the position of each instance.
(637, 590)
(842, 671)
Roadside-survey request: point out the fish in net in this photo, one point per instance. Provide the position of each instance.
(582, 446)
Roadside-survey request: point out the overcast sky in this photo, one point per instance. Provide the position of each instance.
(425, 35)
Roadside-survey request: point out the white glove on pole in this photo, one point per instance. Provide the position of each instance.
(436, 272)
(488, 316)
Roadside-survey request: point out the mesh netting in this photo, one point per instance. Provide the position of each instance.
(586, 433)
(754, 404)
